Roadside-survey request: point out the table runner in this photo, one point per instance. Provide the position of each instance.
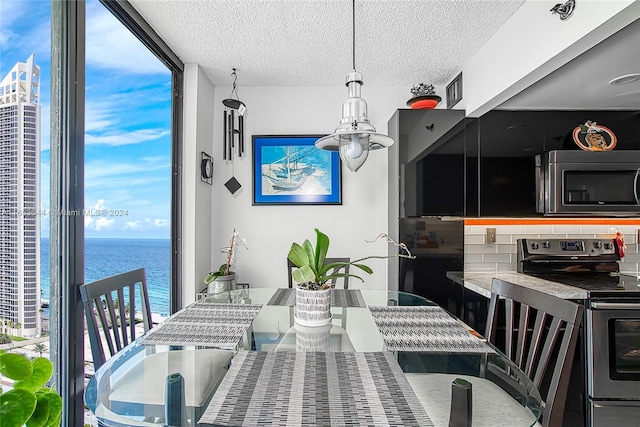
(205, 324)
(339, 298)
(314, 388)
(425, 328)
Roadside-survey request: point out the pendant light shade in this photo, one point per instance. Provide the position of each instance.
(354, 136)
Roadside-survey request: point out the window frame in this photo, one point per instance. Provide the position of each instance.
(68, 23)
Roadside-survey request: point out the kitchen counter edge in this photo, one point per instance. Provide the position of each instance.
(480, 283)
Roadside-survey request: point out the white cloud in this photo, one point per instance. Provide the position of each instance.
(99, 205)
(132, 225)
(110, 45)
(158, 222)
(126, 138)
(102, 223)
(10, 11)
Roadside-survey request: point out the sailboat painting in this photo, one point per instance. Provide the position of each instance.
(289, 169)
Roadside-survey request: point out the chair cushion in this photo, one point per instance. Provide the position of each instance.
(492, 406)
(144, 383)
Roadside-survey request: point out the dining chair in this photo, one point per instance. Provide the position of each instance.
(111, 319)
(540, 336)
(345, 269)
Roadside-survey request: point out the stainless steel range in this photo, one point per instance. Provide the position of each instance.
(611, 349)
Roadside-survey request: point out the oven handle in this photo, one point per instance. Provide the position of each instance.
(615, 305)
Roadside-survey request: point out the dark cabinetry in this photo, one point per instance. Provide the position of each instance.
(452, 165)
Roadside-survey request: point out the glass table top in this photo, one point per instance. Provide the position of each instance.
(135, 386)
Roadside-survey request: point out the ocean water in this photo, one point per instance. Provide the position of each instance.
(106, 257)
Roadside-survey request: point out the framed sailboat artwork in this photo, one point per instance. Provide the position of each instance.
(290, 170)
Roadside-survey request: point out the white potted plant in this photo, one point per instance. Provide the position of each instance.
(224, 279)
(313, 277)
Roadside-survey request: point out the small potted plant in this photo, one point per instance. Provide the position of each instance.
(313, 276)
(224, 279)
(30, 402)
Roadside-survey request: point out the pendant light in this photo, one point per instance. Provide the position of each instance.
(354, 136)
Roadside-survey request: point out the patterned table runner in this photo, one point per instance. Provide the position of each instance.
(314, 388)
(339, 298)
(425, 328)
(205, 324)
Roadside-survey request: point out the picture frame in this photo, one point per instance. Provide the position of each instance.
(291, 170)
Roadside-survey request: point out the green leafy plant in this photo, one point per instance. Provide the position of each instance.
(30, 403)
(314, 273)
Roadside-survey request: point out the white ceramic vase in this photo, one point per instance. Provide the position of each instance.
(312, 308)
(223, 284)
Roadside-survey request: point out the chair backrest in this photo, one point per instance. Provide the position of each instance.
(112, 320)
(345, 270)
(544, 327)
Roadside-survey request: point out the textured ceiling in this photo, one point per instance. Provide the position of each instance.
(309, 43)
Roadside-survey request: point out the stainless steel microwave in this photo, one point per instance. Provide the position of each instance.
(588, 183)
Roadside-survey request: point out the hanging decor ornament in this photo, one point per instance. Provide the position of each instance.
(354, 136)
(231, 106)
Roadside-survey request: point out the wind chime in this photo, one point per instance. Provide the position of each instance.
(231, 106)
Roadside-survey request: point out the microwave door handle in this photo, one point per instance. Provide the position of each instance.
(635, 186)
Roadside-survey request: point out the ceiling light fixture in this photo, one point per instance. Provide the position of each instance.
(354, 136)
(627, 78)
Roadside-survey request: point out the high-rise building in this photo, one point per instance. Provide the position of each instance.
(20, 200)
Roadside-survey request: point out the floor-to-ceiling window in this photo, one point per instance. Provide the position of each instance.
(69, 169)
(127, 157)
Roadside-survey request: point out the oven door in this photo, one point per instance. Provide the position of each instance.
(613, 350)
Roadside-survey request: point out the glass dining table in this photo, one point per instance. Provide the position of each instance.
(239, 358)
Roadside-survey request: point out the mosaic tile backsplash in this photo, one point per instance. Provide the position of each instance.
(480, 256)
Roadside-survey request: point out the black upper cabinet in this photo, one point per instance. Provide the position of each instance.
(510, 140)
(429, 160)
(452, 165)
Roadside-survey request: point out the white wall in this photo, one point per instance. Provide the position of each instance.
(270, 230)
(199, 96)
(533, 43)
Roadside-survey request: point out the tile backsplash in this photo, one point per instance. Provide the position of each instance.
(480, 256)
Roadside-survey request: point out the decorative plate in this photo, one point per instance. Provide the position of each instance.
(424, 101)
(594, 137)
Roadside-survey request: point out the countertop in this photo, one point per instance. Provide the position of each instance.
(481, 283)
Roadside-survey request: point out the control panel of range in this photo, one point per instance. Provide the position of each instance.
(589, 247)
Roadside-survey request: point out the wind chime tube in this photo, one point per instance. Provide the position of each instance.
(231, 135)
(241, 135)
(224, 136)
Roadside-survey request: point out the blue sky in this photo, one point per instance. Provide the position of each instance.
(127, 119)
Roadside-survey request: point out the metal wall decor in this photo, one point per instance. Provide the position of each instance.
(564, 10)
(206, 168)
(454, 91)
(232, 107)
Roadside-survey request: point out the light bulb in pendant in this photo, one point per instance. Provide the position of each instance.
(354, 150)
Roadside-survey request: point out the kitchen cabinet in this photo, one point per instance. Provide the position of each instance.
(451, 165)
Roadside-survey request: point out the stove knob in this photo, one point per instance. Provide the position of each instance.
(534, 246)
(597, 244)
(608, 246)
(546, 245)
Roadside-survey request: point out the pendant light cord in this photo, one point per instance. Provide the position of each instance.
(353, 50)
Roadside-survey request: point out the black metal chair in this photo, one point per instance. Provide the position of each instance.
(345, 269)
(540, 335)
(113, 321)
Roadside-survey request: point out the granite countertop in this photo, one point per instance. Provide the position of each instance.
(480, 283)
